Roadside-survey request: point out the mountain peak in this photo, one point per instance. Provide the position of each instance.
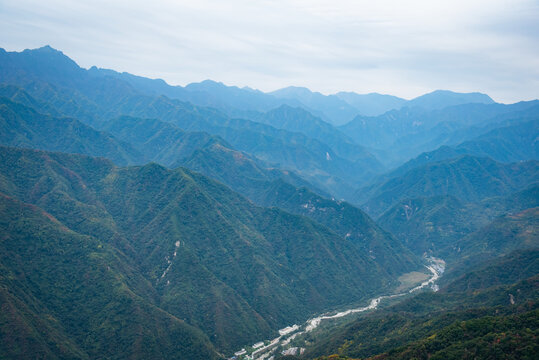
(211, 82)
(49, 49)
(46, 50)
(439, 99)
(211, 85)
(44, 62)
(208, 83)
(293, 91)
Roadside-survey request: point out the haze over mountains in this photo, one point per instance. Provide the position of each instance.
(143, 220)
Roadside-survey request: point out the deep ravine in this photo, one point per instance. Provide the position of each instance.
(436, 267)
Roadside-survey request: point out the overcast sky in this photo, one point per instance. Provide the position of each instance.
(405, 48)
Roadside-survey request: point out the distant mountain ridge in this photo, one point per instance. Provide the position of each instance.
(333, 108)
(467, 178)
(440, 99)
(338, 108)
(160, 141)
(372, 104)
(22, 126)
(516, 142)
(342, 107)
(130, 97)
(408, 132)
(96, 99)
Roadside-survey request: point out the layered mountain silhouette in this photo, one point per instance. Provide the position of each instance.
(144, 220)
(24, 127)
(402, 134)
(97, 98)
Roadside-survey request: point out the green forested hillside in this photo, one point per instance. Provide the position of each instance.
(22, 126)
(506, 144)
(210, 155)
(467, 178)
(503, 270)
(343, 218)
(233, 270)
(18, 95)
(496, 337)
(503, 235)
(130, 140)
(429, 224)
(160, 141)
(146, 221)
(434, 223)
(313, 159)
(243, 173)
(272, 188)
(164, 143)
(497, 300)
(66, 295)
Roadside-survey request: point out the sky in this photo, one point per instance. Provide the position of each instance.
(403, 48)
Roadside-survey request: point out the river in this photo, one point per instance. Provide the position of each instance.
(436, 267)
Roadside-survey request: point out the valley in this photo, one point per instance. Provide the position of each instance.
(435, 266)
(145, 220)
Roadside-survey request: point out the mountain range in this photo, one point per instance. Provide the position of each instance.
(187, 235)
(466, 177)
(144, 220)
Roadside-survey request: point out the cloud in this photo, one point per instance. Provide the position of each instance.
(403, 48)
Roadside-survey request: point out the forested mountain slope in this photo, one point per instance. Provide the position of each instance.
(489, 312)
(22, 126)
(231, 269)
(67, 295)
(467, 178)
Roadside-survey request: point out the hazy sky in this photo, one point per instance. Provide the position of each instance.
(404, 48)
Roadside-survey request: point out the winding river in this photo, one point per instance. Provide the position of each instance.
(436, 267)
